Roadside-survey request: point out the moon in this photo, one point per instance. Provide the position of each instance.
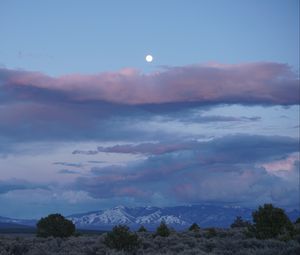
(149, 58)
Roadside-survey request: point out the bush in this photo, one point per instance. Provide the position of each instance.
(142, 229)
(194, 227)
(270, 222)
(163, 230)
(120, 238)
(55, 225)
(211, 232)
(240, 223)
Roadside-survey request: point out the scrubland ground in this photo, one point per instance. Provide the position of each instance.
(229, 241)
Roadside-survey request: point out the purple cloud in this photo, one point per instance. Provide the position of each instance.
(35, 106)
(19, 184)
(147, 148)
(67, 171)
(68, 164)
(229, 144)
(229, 169)
(252, 83)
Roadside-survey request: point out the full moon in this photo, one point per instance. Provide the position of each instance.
(149, 58)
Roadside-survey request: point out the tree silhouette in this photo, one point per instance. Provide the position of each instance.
(270, 222)
(55, 225)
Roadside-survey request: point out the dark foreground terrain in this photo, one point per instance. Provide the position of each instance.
(229, 241)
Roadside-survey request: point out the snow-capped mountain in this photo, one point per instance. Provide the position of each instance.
(117, 215)
(179, 217)
(128, 216)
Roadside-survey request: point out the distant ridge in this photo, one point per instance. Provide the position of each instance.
(179, 217)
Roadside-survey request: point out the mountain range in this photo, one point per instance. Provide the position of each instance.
(179, 217)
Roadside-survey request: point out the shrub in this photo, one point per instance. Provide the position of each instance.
(240, 223)
(194, 227)
(120, 238)
(297, 221)
(163, 230)
(270, 222)
(211, 232)
(55, 225)
(142, 229)
(19, 249)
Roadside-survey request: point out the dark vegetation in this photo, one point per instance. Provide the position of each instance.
(120, 238)
(194, 227)
(142, 229)
(270, 233)
(240, 223)
(162, 230)
(55, 225)
(271, 222)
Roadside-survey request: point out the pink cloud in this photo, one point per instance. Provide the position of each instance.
(148, 148)
(287, 164)
(252, 83)
(131, 191)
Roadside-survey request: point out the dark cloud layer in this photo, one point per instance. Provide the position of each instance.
(109, 106)
(254, 83)
(228, 169)
(34, 106)
(68, 164)
(229, 146)
(17, 184)
(67, 171)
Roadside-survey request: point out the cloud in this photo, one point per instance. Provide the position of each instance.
(143, 148)
(285, 168)
(68, 164)
(159, 118)
(247, 185)
(67, 171)
(215, 118)
(252, 83)
(18, 184)
(106, 106)
(227, 169)
(229, 146)
(38, 202)
(89, 152)
(96, 161)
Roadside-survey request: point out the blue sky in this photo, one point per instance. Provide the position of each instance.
(59, 37)
(86, 123)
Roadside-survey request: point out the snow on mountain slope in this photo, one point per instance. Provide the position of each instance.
(117, 215)
(179, 217)
(147, 219)
(128, 216)
(157, 217)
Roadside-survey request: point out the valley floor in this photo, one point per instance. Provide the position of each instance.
(222, 242)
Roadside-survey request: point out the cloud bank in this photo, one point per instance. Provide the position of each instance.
(236, 168)
(163, 120)
(34, 106)
(252, 83)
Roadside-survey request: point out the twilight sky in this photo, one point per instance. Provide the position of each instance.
(86, 123)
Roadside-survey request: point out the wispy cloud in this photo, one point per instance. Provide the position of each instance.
(68, 164)
(67, 171)
(18, 184)
(229, 143)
